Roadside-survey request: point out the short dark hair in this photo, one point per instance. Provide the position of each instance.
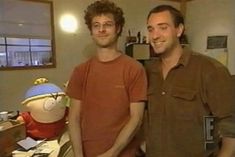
(104, 7)
(176, 14)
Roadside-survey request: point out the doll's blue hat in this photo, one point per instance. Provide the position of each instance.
(42, 89)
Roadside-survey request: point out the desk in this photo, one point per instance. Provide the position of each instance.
(11, 131)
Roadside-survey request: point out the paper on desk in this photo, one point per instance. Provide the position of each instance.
(17, 153)
(28, 143)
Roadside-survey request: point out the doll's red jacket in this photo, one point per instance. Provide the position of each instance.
(38, 131)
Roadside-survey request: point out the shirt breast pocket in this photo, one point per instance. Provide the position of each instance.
(183, 102)
(183, 93)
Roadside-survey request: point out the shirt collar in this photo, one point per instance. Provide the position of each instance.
(155, 64)
(184, 59)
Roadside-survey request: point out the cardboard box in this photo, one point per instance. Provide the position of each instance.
(10, 132)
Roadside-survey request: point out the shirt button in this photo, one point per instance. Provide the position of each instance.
(163, 93)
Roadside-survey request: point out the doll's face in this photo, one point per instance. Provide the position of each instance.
(51, 102)
(48, 109)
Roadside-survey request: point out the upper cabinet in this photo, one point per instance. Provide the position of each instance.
(26, 34)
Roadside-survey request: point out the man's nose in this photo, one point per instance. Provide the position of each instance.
(155, 34)
(102, 28)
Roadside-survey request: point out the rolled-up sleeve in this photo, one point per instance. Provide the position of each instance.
(220, 96)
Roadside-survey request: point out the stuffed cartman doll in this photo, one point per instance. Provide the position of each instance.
(46, 111)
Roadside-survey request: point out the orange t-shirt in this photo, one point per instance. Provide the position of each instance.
(106, 90)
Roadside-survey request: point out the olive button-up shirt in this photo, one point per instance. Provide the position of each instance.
(196, 87)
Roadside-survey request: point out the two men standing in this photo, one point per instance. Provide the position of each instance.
(109, 90)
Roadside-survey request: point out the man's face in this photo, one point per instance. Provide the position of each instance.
(104, 31)
(163, 35)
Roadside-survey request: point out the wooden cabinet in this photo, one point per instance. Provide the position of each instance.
(140, 52)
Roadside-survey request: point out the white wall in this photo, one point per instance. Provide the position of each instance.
(15, 12)
(71, 49)
(211, 17)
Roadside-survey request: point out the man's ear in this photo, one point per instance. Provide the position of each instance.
(180, 30)
(118, 29)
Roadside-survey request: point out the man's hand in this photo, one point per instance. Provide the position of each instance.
(108, 153)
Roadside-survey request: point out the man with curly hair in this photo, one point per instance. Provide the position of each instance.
(107, 92)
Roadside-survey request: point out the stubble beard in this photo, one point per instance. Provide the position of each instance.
(107, 44)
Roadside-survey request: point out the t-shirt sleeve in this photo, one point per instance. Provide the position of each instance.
(75, 84)
(138, 85)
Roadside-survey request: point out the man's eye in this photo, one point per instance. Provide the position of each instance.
(163, 27)
(150, 29)
(95, 26)
(108, 25)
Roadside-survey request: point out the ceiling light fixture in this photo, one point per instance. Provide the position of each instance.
(68, 23)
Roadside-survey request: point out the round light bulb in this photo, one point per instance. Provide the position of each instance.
(68, 23)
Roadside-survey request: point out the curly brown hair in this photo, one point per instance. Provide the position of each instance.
(104, 7)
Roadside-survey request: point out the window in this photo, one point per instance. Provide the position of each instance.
(26, 34)
(21, 52)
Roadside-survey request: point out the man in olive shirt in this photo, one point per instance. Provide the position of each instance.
(187, 90)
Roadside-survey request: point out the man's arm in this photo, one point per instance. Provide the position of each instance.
(220, 97)
(228, 147)
(128, 131)
(74, 127)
